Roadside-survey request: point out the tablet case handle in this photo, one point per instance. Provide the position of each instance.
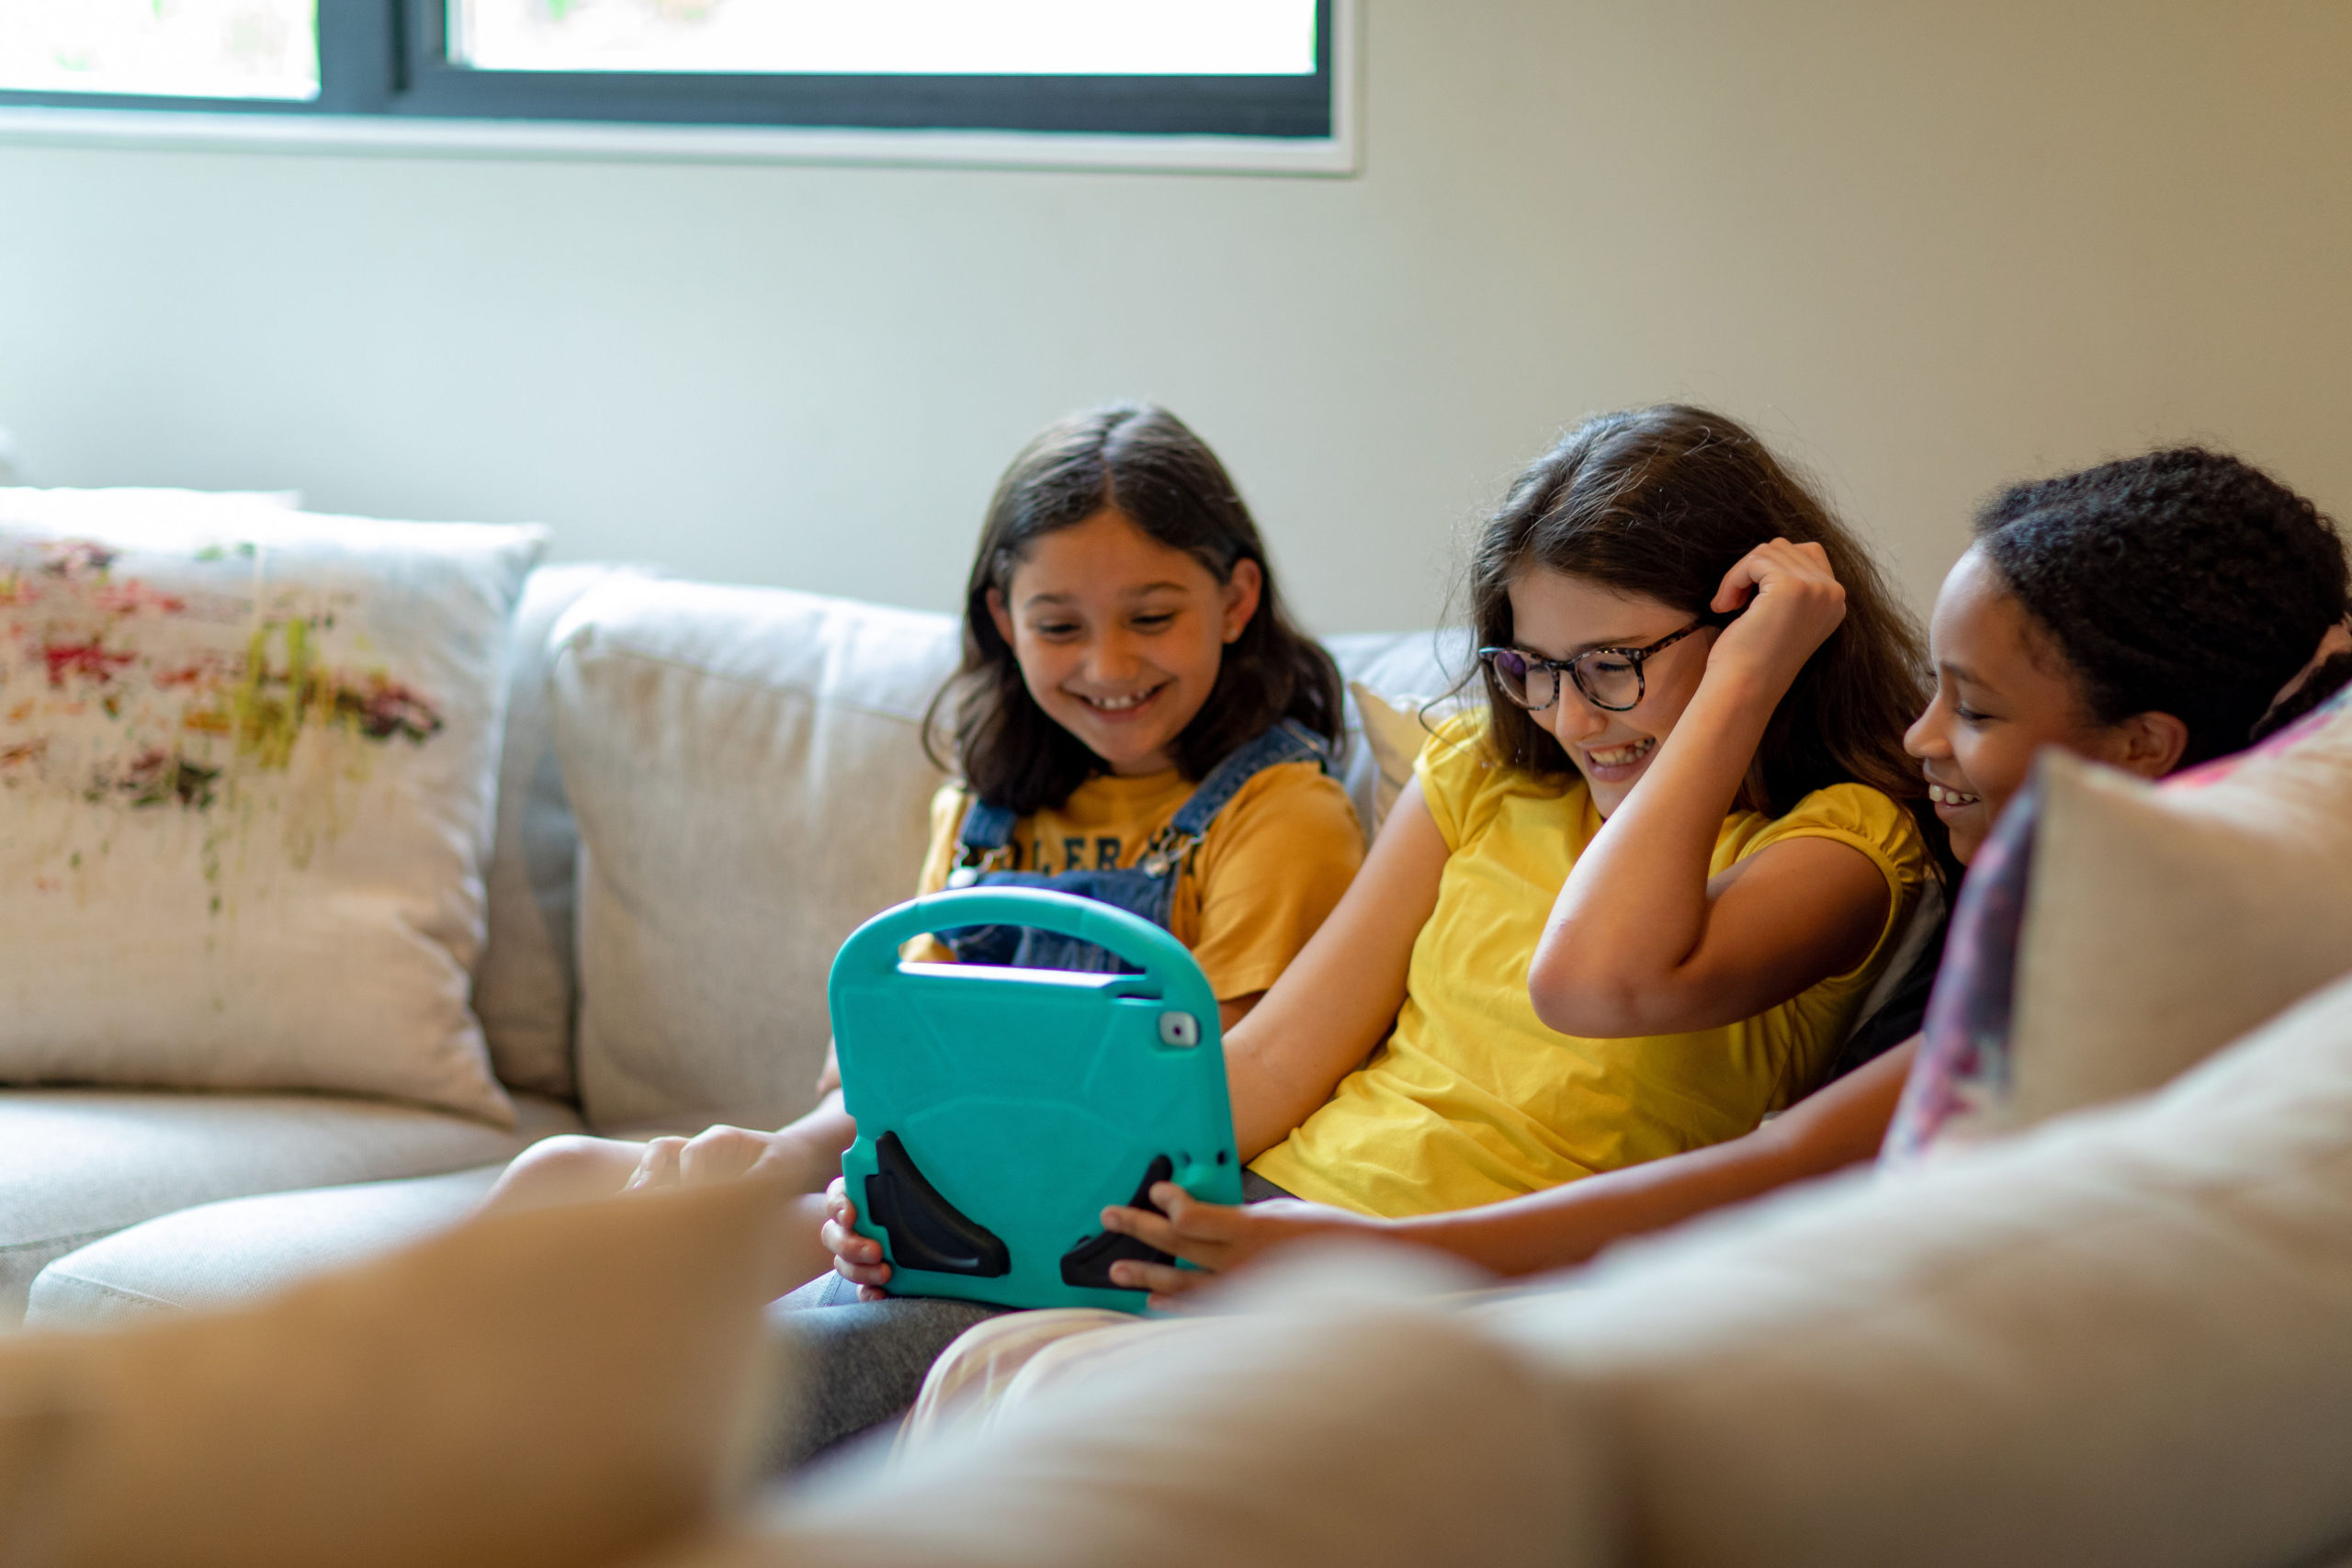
(1167, 968)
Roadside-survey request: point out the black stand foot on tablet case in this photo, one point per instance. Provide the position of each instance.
(1088, 1265)
(926, 1230)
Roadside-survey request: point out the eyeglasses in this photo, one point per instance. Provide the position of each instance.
(1610, 677)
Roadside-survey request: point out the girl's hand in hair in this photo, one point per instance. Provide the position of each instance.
(1214, 1236)
(1788, 601)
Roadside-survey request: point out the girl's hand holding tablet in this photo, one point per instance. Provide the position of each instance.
(857, 1259)
(1214, 1237)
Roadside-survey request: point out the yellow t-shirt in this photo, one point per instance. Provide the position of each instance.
(1270, 867)
(1472, 1098)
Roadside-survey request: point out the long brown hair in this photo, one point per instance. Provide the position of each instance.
(1145, 463)
(1662, 501)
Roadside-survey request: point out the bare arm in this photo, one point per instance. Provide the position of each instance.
(1339, 996)
(1841, 1126)
(1640, 941)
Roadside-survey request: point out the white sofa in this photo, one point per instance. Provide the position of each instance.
(702, 791)
(2121, 1338)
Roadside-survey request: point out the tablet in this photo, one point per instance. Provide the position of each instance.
(1000, 1111)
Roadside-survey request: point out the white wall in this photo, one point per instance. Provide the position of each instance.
(1928, 248)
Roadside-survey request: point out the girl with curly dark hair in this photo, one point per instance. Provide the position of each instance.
(2152, 613)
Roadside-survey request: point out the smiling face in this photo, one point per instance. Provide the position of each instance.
(1119, 638)
(1555, 615)
(2003, 692)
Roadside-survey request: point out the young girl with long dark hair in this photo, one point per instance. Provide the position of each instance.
(1137, 720)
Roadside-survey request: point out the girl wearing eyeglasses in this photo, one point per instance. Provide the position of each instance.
(1632, 902)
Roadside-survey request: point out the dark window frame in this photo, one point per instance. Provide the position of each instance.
(389, 58)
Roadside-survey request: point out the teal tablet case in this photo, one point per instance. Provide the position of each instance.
(1000, 1111)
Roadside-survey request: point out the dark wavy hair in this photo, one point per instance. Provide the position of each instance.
(1144, 463)
(1662, 501)
(2184, 581)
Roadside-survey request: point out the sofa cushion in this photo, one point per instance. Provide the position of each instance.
(1337, 1430)
(2118, 1338)
(76, 1165)
(249, 758)
(501, 1395)
(242, 1248)
(749, 775)
(524, 984)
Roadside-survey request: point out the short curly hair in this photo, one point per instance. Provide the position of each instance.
(2184, 581)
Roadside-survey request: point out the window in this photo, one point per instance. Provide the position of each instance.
(246, 50)
(1259, 68)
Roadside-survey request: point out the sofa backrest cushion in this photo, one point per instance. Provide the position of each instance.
(747, 769)
(2114, 1339)
(526, 985)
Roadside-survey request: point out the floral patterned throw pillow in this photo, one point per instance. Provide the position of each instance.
(246, 780)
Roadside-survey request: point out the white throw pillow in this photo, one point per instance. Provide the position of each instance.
(246, 756)
(2115, 1339)
(2168, 918)
(747, 771)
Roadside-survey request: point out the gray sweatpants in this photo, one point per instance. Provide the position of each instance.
(862, 1363)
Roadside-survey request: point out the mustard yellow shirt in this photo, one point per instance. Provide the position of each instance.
(1472, 1098)
(1270, 867)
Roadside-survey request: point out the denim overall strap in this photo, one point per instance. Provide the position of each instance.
(983, 844)
(986, 827)
(1147, 888)
(1289, 741)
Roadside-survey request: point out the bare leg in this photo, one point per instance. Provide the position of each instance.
(573, 1168)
